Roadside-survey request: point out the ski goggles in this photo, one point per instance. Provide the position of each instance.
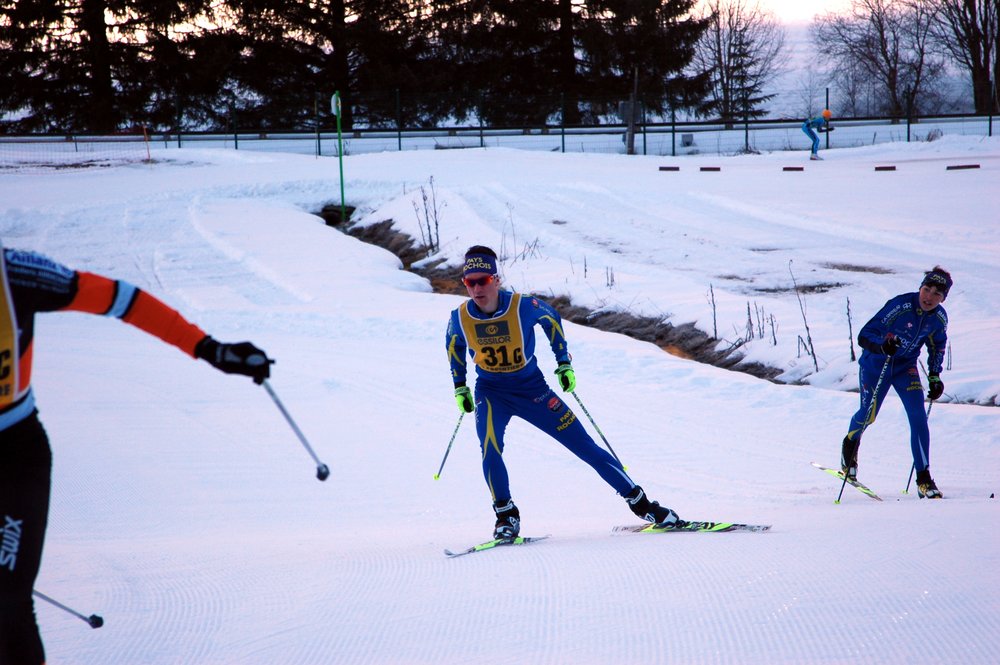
(479, 281)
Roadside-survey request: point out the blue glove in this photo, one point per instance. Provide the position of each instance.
(567, 377)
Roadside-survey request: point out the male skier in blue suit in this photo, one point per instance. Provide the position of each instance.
(496, 328)
(892, 341)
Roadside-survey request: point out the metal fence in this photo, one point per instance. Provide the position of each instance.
(664, 139)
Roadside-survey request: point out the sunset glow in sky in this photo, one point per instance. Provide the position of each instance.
(802, 11)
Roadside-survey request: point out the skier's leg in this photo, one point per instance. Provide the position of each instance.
(813, 137)
(911, 393)
(865, 416)
(870, 402)
(554, 417)
(25, 481)
(492, 417)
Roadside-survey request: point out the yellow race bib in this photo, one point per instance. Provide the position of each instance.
(8, 340)
(497, 344)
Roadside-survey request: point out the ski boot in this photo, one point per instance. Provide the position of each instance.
(651, 511)
(508, 520)
(926, 488)
(849, 458)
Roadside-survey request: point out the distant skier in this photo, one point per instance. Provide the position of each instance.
(31, 283)
(819, 124)
(894, 336)
(496, 328)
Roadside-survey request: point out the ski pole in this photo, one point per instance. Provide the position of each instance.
(869, 419)
(603, 438)
(322, 470)
(437, 476)
(913, 467)
(93, 620)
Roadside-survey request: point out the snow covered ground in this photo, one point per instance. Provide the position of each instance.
(186, 513)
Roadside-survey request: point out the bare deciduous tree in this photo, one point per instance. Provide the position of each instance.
(969, 31)
(744, 49)
(891, 41)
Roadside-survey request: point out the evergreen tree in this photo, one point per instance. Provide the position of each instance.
(652, 40)
(502, 58)
(86, 65)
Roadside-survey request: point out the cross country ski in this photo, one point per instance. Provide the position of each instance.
(492, 544)
(839, 475)
(690, 527)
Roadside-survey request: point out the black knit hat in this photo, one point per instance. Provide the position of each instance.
(939, 278)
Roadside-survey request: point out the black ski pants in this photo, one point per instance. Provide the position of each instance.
(25, 481)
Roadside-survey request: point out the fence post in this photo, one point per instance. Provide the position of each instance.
(319, 139)
(827, 135)
(236, 131)
(673, 131)
(562, 120)
(399, 122)
(643, 107)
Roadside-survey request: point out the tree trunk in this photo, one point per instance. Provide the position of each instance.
(97, 55)
(567, 64)
(341, 68)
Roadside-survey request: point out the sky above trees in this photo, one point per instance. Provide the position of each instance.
(801, 11)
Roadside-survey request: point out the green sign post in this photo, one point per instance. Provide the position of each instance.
(335, 109)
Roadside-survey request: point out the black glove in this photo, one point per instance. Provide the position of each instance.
(935, 386)
(890, 345)
(240, 358)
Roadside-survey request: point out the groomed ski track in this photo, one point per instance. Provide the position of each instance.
(187, 515)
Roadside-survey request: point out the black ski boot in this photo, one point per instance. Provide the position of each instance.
(849, 458)
(926, 487)
(651, 511)
(508, 520)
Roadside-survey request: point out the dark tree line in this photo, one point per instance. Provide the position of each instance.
(112, 65)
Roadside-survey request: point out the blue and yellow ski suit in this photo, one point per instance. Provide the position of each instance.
(509, 383)
(903, 317)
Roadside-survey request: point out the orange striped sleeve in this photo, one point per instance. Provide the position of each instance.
(97, 294)
(94, 294)
(149, 314)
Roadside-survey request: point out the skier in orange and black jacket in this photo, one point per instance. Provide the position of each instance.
(31, 283)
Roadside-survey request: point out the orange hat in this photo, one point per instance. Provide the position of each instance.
(827, 114)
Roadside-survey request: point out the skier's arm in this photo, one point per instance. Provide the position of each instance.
(551, 323)
(455, 343)
(874, 336)
(936, 345)
(96, 294)
(457, 350)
